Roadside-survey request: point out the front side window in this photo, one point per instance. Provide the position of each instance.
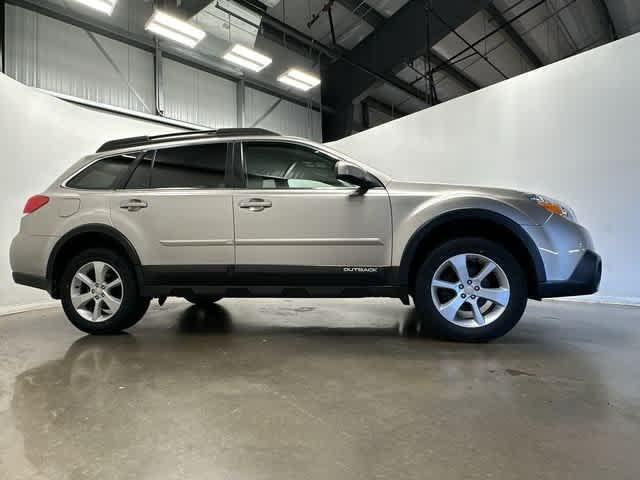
(289, 166)
(193, 166)
(103, 174)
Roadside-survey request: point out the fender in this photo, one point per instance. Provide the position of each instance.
(100, 228)
(430, 226)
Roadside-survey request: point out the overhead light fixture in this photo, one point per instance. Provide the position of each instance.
(174, 29)
(104, 6)
(247, 58)
(299, 79)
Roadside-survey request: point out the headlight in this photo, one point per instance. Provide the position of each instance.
(553, 206)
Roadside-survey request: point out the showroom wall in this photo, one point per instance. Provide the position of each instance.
(40, 137)
(568, 130)
(46, 53)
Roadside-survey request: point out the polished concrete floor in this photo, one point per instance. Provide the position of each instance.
(284, 389)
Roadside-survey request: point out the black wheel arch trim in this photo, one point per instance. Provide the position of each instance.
(99, 228)
(428, 228)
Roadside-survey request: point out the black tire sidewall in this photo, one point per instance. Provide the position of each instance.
(132, 307)
(440, 326)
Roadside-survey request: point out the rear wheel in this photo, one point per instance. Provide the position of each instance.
(202, 300)
(99, 292)
(470, 289)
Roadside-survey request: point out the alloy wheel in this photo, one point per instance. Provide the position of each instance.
(96, 291)
(470, 290)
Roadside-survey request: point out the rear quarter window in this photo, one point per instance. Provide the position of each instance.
(103, 174)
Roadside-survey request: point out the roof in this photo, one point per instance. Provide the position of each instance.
(144, 140)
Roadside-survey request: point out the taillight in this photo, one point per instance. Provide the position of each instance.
(34, 203)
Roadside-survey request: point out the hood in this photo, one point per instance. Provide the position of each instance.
(430, 189)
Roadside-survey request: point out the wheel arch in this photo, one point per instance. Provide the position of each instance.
(473, 222)
(86, 236)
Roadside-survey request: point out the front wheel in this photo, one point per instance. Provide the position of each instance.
(470, 289)
(99, 292)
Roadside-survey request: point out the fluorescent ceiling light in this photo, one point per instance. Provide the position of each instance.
(246, 57)
(104, 6)
(174, 29)
(299, 79)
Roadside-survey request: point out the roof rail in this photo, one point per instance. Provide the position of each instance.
(147, 140)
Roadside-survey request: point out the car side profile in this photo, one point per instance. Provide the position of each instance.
(249, 213)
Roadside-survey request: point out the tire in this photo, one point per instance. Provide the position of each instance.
(108, 317)
(202, 300)
(143, 306)
(463, 313)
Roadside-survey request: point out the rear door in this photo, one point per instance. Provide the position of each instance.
(296, 223)
(176, 210)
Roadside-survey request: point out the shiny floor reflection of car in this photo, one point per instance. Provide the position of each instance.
(278, 389)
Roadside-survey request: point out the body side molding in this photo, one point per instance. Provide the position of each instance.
(309, 241)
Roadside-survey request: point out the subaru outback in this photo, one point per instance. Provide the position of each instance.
(249, 213)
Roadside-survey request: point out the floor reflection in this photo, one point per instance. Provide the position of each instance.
(209, 319)
(245, 391)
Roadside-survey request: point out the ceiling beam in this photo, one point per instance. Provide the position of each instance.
(363, 10)
(274, 29)
(514, 37)
(193, 7)
(374, 18)
(604, 9)
(401, 36)
(455, 73)
(396, 40)
(382, 107)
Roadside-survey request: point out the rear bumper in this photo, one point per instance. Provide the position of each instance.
(584, 280)
(31, 281)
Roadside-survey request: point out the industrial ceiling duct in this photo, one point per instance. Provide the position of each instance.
(229, 21)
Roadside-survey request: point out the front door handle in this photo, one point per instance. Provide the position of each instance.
(134, 204)
(255, 204)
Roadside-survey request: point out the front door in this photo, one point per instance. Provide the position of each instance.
(296, 223)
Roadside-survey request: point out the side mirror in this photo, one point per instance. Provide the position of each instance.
(356, 175)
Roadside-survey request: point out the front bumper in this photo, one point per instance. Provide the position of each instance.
(584, 280)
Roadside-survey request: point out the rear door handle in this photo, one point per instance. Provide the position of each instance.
(255, 204)
(134, 204)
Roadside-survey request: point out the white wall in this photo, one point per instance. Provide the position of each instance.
(40, 136)
(569, 130)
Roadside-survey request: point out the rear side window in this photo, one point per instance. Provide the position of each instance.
(103, 174)
(194, 166)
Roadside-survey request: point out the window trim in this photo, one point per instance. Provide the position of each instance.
(241, 168)
(124, 179)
